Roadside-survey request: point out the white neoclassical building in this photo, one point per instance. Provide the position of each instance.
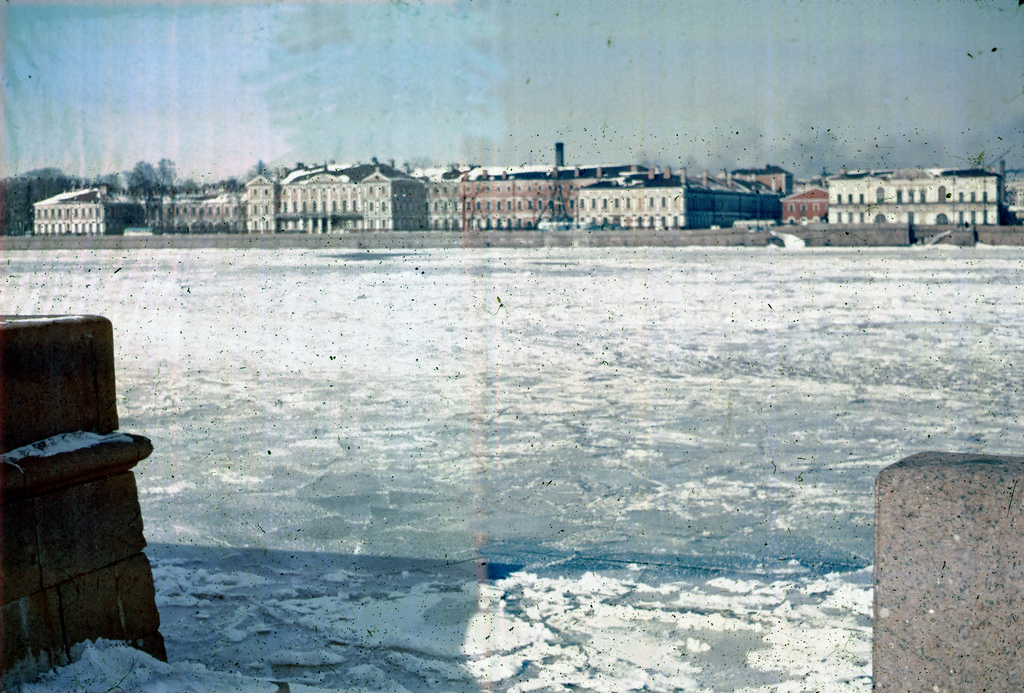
(925, 197)
(336, 199)
(93, 211)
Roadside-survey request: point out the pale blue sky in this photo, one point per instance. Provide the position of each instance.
(95, 88)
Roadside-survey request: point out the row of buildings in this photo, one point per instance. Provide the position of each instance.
(332, 198)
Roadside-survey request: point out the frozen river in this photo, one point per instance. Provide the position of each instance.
(665, 456)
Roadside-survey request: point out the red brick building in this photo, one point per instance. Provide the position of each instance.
(525, 197)
(809, 205)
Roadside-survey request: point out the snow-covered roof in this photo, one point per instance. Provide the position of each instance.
(534, 172)
(442, 173)
(88, 195)
(915, 174)
(343, 173)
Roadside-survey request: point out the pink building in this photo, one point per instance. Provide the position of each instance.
(809, 205)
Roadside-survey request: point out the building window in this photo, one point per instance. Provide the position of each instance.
(839, 198)
(861, 201)
(961, 197)
(984, 196)
(880, 218)
(899, 196)
(941, 219)
(974, 198)
(880, 195)
(942, 194)
(849, 198)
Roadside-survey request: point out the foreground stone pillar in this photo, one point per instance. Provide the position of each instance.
(949, 574)
(71, 526)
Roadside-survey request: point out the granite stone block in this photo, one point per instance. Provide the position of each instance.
(19, 554)
(56, 376)
(137, 596)
(32, 641)
(90, 607)
(949, 574)
(87, 527)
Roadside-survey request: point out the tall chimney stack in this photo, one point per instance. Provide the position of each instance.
(559, 154)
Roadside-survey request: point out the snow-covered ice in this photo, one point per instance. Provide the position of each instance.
(665, 457)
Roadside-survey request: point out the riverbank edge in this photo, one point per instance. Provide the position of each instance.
(832, 236)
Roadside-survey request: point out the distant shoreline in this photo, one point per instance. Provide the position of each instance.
(814, 236)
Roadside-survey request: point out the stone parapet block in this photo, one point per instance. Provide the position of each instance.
(56, 376)
(67, 460)
(949, 574)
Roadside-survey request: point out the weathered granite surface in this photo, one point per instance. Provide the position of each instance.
(949, 574)
(56, 376)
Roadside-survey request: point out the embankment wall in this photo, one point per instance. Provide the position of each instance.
(815, 236)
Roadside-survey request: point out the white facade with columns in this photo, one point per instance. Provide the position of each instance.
(924, 197)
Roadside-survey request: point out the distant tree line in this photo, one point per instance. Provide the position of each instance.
(146, 182)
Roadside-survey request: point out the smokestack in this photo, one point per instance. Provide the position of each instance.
(559, 154)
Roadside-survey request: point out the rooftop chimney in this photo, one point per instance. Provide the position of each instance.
(559, 154)
(650, 174)
(682, 176)
(668, 172)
